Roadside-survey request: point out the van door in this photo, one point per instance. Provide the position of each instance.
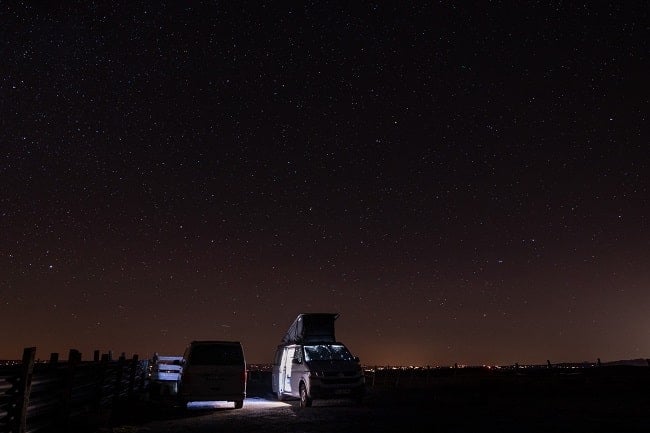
(285, 369)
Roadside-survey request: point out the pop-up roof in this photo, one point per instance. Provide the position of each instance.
(312, 328)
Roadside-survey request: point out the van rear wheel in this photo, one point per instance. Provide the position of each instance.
(305, 400)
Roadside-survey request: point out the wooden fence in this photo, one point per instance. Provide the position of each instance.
(66, 396)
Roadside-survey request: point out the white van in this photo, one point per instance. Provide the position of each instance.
(213, 371)
(310, 364)
(165, 372)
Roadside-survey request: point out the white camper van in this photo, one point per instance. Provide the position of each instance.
(310, 364)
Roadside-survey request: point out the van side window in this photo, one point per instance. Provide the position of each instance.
(297, 355)
(216, 355)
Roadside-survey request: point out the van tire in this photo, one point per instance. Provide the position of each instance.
(239, 404)
(305, 400)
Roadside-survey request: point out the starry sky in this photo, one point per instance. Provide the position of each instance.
(462, 183)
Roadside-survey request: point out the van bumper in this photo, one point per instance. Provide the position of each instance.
(318, 391)
(211, 397)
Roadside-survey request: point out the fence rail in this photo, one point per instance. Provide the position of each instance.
(65, 396)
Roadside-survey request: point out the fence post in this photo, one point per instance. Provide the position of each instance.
(24, 388)
(100, 378)
(74, 358)
(134, 369)
(117, 389)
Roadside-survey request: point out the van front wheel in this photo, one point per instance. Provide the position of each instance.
(305, 400)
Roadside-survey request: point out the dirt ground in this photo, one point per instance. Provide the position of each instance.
(459, 405)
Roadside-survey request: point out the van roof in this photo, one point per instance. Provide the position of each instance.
(311, 327)
(214, 342)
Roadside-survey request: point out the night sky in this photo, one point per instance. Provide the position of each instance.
(462, 183)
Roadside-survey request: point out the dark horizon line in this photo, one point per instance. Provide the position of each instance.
(641, 362)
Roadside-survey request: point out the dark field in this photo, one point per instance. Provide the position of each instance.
(608, 399)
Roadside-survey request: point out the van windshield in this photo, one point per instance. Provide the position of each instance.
(327, 352)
